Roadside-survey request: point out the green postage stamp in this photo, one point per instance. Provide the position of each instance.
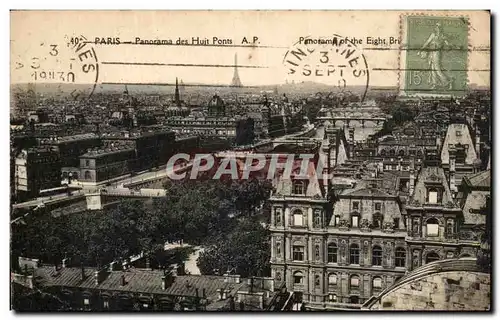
(436, 55)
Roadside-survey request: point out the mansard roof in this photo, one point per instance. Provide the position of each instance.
(367, 192)
(435, 176)
(458, 133)
(480, 179)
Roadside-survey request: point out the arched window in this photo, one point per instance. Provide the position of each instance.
(378, 219)
(298, 218)
(432, 256)
(332, 279)
(383, 153)
(332, 252)
(88, 175)
(354, 281)
(400, 257)
(377, 256)
(354, 254)
(75, 175)
(298, 277)
(377, 283)
(392, 152)
(401, 153)
(299, 187)
(432, 226)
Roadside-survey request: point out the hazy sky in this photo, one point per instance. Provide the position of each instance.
(33, 33)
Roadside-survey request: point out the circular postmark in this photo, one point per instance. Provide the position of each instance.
(69, 67)
(335, 61)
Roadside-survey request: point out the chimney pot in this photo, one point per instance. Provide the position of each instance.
(83, 273)
(163, 282)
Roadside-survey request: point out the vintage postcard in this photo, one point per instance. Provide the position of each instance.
(250, 161)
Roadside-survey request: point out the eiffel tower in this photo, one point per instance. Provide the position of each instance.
(236, 78)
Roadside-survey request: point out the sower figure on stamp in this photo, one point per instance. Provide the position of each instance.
(433, 53)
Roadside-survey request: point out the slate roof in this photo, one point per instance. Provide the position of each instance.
(475, 201)
(367, 192)
(480, 179)
(137, 281)
(464, 138)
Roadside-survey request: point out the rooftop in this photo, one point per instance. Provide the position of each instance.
(63, 139)
(480, 179)
(136, 280)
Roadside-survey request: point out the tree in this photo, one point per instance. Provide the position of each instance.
(245, 250)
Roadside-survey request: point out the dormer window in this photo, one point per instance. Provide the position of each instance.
(433, 195)
(355, 205)
(378, 219)
(337, 220)
(299, 187)
(355, 220)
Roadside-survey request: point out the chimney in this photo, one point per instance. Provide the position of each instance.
(452, 151)
(412, 176)
(123, 281)
(83, 272)
(65, 262)
(204, 293)
(197, 292)
(181, 269)
(164, 282)
(96, 277)
(112, 266)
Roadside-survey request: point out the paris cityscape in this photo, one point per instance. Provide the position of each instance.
(333, 166)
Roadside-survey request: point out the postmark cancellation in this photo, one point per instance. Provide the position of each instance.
(434, 56)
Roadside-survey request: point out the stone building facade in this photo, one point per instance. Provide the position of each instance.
(336, 250)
